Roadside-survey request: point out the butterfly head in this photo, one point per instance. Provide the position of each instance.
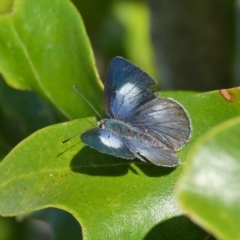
(102, 123)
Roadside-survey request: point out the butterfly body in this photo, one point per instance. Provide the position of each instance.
(129, 132)
(139, 124)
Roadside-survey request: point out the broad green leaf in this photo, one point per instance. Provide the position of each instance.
(209, 188)
(108, 196)
(44, 47)
(208, 110)
(114, 195)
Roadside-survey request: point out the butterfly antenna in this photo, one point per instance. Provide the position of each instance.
(77, 90)
(74, 135)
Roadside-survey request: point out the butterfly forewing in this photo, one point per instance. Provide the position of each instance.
(125, 88)
(106, 142)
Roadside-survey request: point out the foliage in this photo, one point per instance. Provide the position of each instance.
(44, 48)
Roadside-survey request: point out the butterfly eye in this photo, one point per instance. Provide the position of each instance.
(102, 123)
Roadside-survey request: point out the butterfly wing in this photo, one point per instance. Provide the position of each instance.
(158, 156)
(125, 88)
(165, 120)
(106, 142)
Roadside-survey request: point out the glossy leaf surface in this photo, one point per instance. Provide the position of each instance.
(44, 47)
(209, 189)
(107, 195)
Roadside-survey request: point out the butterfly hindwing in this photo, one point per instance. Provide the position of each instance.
(165, 120)
(125, 88)
(158, 156)
(106, 142)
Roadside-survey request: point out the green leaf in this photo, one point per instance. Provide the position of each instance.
(208, 110)
(107, 195)
(44, 47)
(94, 187)
(209, 188)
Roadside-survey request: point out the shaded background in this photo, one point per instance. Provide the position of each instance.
(188, 45)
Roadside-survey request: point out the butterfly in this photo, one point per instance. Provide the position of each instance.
(139, 124)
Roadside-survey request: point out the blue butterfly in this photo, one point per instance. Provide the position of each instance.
(139, 124)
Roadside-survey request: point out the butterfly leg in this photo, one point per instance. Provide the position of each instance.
(136, 154)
